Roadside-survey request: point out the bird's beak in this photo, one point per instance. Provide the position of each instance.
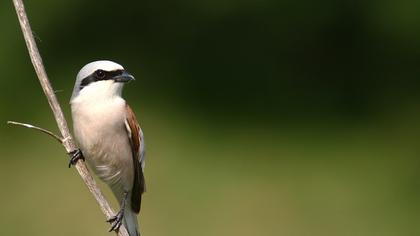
(123, 78)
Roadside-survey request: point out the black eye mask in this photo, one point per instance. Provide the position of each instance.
(99, 75)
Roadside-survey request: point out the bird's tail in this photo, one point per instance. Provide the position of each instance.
(130, 221)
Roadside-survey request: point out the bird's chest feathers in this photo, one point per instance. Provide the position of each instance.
(100, 131)
(99, 124)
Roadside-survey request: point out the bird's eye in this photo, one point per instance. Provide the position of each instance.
(100, 74)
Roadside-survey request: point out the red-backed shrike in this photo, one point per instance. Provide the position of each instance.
(109, 136)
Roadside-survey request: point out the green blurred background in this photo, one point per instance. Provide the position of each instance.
(261, 117)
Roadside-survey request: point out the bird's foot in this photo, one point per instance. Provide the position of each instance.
(75, 155)
(116, 221)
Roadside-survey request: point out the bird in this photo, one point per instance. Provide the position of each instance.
(109, 137)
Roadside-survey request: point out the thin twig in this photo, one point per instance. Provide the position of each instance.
(67, 140)
(56, 137)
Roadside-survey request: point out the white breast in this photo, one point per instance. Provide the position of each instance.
(99, 129)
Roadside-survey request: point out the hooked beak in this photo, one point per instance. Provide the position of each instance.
(124, 77)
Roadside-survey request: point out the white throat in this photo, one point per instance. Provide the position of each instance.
(99, 91)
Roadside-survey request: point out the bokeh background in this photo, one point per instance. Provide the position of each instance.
(295, 118)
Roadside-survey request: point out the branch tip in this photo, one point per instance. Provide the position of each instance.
(56, 137)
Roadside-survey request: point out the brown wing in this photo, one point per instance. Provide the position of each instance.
(135, 137)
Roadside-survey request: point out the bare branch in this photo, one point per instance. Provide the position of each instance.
(67, 140)
(56, 137)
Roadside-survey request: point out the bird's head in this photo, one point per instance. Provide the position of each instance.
(101, 79)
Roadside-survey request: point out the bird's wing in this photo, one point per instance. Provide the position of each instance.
(135, 135)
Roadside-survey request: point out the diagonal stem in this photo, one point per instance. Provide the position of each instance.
(67, 140)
